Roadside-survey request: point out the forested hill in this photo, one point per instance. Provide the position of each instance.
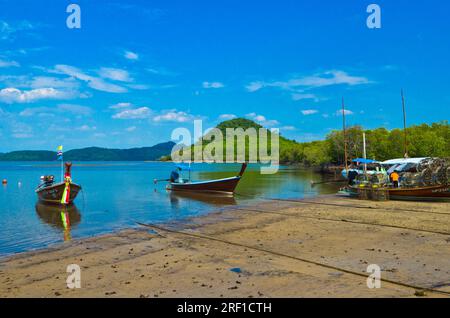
(382, 144)
(94, 154)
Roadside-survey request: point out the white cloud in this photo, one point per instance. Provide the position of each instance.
(131, 129)
(106, 87)
(227, 116)
(170, 115)
(208, 85)
(339, 112)
(138, 113)
(120, 106)
(25, 81)
(288, 128)
(328, 78)
(86, 128)
(254, 86)
(93, 82)
(8, 30)
(37, 111)
(75, 109)
(174, 116)
(10, 124)
(60, 109)
(161, 71)
(115, 74)
(262, 120)
(47, 81)
(4, 63)
(131, 55)
(307, 112)
(139, 86)
(300, 96)
(15, 95)
(22, 135)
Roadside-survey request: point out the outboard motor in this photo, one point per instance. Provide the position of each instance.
(47, 180)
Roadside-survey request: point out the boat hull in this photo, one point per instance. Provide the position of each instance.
(430, 193)
(438, 192)
(227, 185)
(53, 194)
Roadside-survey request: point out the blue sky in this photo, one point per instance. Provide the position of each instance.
(138, 69)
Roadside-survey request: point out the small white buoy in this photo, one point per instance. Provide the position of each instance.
(19, 184)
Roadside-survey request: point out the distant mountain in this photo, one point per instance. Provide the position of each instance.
(94, 154)
(28, 155)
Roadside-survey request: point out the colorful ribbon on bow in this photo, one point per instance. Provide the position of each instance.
(66, 194)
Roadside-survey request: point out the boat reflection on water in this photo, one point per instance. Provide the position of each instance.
(61, 217)
(177, 197)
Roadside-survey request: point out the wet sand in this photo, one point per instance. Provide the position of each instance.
(315, 248)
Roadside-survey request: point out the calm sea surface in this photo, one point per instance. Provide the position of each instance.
(116, 195)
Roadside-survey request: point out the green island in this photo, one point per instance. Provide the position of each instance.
(93, 154)
(382, 144)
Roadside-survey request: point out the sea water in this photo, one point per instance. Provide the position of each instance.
(117, 195)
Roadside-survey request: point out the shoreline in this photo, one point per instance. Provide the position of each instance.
(318, 247)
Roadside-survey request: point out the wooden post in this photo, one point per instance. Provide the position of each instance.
(345, 136)
(404, 126)
(364, 152)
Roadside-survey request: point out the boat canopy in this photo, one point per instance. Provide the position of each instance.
(367, 161)
(403, 161)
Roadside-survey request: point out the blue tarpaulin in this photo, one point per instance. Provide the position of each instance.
(362, 160)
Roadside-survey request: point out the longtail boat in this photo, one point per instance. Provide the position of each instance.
(420, 193)
(428, 193)
(225, 185)
(63, 193)
(422, 179)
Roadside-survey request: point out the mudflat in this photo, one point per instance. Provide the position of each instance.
(318, 247)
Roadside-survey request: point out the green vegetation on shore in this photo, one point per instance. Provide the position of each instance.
(382, 144)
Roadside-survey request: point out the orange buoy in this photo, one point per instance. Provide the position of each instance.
(4, 181)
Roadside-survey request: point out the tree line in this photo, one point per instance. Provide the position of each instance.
(381, 144)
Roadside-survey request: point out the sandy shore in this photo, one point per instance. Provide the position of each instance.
(316, 248)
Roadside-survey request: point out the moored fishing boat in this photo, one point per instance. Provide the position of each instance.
(225, 185)
(430, 193)
(435, 192)
(58, 193)
(63, 192)
(422, 179)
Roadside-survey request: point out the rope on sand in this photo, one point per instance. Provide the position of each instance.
(210, 238)
(301, 201)
(338, 220)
